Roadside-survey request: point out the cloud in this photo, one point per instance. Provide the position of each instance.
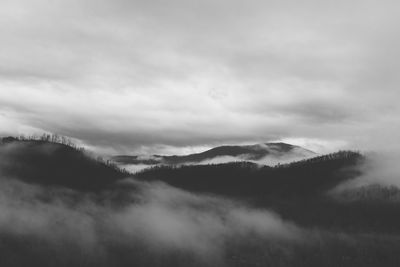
(157, 222)
(121, 74)
(379, 168)
(154, 224)
(272, 159)
(174, 219)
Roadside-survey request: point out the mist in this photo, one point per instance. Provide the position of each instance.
(154, 221)
(379, 179)
(274, 158)
(159, 225)
(89, 87)
(378, 168)
(142, 223)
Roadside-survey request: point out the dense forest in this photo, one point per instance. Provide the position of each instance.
(299, 191)
(305, 178)
(62, 206)
(54, 160)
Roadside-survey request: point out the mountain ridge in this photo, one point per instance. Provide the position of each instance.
(254, 152)
(56, 164)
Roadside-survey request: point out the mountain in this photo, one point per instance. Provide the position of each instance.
(55, 164)
(300, 191)
(246, 179)
(266, 153)
(263, 215)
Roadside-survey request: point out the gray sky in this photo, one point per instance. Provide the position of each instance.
(158, 76)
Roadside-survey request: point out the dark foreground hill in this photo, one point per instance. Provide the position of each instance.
(50, 163)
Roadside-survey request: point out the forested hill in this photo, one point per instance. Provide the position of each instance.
(259, 152)
(299, 191)
(302, 178)
(55, 162)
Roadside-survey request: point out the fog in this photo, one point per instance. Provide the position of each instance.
(157, 221)
(378, 180)
(158, 225)
(378, 168)
(274, 158)
(382, 168)
(141, 223)
(133, 168)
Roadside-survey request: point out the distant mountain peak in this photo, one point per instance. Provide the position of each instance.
(269, 153)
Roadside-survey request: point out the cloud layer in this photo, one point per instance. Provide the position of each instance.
(158, 223)
(123, 75)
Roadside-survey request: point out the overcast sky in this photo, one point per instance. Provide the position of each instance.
(148, 76)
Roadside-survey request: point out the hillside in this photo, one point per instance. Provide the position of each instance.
(258, 212)
(311, 176)
(298, 191)
(52, 163)
(267, 153)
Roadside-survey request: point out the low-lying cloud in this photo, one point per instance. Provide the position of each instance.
(273, 158)
(379, 179)
(158, 222)
(153, 224)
